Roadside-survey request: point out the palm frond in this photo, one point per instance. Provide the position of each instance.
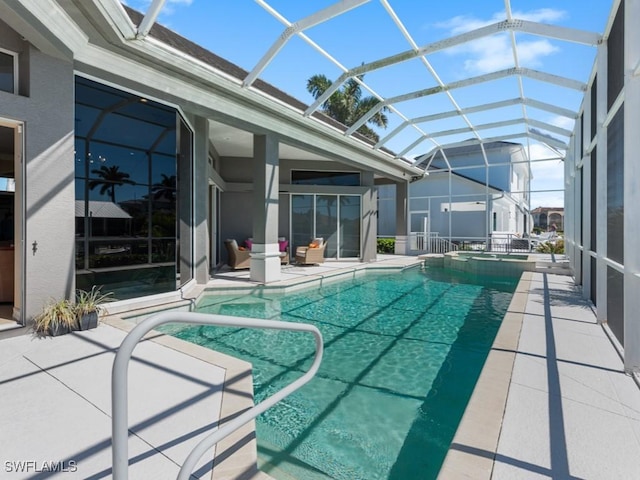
(347, 105)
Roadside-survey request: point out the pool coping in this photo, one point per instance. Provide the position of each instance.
(235, 456)
(308, 281)
(473, 449)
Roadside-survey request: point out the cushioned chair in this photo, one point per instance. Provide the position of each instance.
(237, 258)
(283, 244)
(312, 254)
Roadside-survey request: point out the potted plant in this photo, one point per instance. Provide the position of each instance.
(57, 318)
(88, 307)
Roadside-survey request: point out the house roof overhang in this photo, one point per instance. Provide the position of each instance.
(102, 41)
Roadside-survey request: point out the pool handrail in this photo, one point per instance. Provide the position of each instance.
(119, 388)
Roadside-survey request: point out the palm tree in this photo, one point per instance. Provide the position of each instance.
(347, 105)
(165, 189)
(110, 177)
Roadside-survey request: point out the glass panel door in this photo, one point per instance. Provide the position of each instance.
(349, 226)
(302, 214)
(335, 218)
(327, 223)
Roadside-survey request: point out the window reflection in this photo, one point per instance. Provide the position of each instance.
(350, 226)
(311, 177)
(126, 192)
(327, 223)
(301, 220)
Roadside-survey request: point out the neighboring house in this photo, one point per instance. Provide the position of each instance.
(134, 157)
(544, 217)
(461, 199)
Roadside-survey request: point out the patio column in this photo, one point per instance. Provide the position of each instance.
(402, 207)
(201, 187)
(265, 254)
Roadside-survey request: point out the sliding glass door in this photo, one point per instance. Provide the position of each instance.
(302, 221)
(350, 226)
(335, 218)
(327, 223)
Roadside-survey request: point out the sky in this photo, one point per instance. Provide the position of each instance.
(242, 31)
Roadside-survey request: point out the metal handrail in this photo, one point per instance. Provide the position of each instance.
(119, 389)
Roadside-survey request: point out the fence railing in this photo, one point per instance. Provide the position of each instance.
(119, 389)
(430, 243)
(497, 242)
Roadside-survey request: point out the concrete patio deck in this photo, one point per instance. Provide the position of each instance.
(552, 402)
(55, 411)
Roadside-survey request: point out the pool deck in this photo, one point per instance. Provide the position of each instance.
(552, 402)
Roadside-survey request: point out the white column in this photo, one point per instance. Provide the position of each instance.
(265, 254)
(402, 218)
(201, 200)
(631, 189)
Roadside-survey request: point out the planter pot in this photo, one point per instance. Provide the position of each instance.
(89, 321)
(59, 330)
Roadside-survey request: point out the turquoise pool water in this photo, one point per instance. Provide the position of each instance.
(402, 354)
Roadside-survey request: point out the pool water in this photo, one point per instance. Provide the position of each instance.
(403, 352)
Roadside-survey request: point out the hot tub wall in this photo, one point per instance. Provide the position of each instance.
(480, 264)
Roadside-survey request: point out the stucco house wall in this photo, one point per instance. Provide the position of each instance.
(44, 104)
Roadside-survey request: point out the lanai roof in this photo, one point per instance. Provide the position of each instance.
(520, 71)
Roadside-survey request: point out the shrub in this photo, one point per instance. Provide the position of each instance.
(551, 247)
(386, 245)
(56, 318)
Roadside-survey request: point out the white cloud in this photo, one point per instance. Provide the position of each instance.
(562, 122)
(466, 23)
(488, 54)
(541, 15)
(493, 53)
(547, 175)
(547, 199)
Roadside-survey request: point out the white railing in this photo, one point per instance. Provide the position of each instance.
(430, 243)
(119, 389)
(508, 242)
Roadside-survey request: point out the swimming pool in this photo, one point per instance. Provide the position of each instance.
(402, 354)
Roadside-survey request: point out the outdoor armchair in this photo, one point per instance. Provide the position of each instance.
(237, 258)
(312, 254)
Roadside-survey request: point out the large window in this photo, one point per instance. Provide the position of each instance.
(8, 75)
(133, 207)
(311, 177)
